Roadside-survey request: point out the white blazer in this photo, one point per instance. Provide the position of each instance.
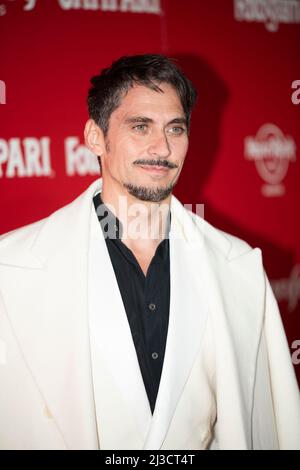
(221, 301)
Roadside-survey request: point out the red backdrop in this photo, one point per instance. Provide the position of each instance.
(244, 58)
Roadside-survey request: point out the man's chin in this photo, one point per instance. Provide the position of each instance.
(144, 193)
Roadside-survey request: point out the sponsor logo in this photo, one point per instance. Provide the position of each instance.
(25, 158)
(79, 160)
(30, 157)
(269, 12)
(288, 289)
(2, 92)
(132, 6)
(296, 94)
(271, 152)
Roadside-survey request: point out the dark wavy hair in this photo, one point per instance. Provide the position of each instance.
(111, 85)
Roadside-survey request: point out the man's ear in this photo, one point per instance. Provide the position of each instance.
(94, 138)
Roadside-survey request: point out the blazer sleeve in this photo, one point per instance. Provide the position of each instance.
(276, 400)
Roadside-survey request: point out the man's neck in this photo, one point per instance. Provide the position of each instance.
(145, 223)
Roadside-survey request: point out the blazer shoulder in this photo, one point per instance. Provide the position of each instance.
(21, 235)
(30, 245)
(27, 233)
(24, 237)
(220, 240)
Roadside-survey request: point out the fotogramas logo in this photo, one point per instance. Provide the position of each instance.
(272, 152)
(269, 12)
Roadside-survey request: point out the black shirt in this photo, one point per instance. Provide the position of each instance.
(146, 298)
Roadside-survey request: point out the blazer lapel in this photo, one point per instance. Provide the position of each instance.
(188, 315)
(112, 343)
(205, 279)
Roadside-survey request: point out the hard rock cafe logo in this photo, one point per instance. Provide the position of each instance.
(272, 153)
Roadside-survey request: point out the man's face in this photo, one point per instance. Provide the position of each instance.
(146, 143)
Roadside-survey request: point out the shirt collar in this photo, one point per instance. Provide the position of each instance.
(111, 226)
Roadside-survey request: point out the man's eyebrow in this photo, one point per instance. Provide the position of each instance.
(179, 120)
(146, 120)
(132, 120)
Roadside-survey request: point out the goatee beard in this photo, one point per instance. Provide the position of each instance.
(149, 194)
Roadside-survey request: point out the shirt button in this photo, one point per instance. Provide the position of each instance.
(152, 307)
(154, 355)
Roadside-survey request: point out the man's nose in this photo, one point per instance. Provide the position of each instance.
(159, 145)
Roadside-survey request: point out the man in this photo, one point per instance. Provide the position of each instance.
(128, 322)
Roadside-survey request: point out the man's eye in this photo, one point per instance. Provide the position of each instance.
(140, 127)
(177, 130)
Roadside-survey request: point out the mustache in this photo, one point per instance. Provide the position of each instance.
(164, 163)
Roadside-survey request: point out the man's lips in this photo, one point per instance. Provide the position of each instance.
(156, 168)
